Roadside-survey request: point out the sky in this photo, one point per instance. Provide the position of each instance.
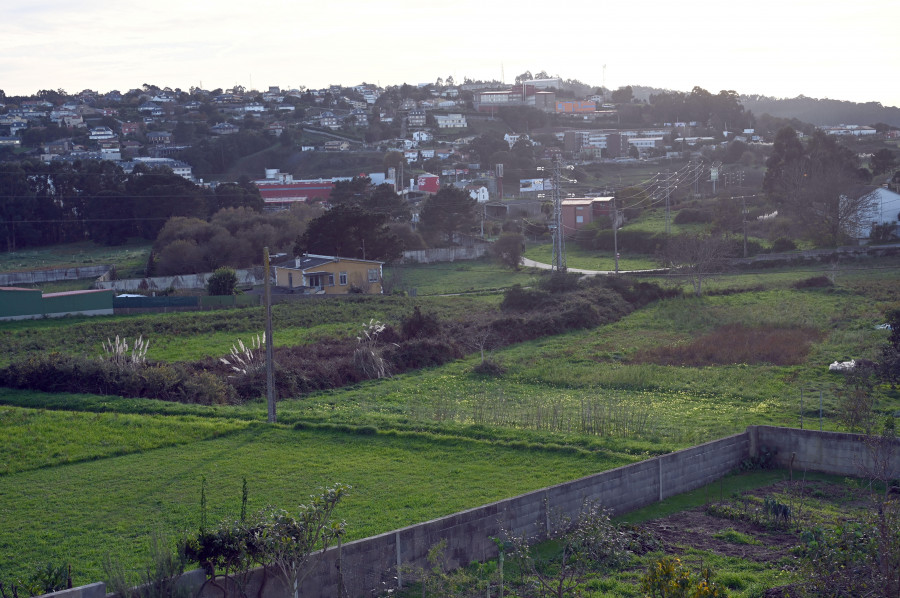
(781, 48)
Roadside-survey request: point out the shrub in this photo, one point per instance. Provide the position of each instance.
(669, 578)
(489, 367)
(222, 282)
(692, 215)
(815, 282)
(421, 353)
(781, 245)
(559, 282)
(520, 299)
(418, 325)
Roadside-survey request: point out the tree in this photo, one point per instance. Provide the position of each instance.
(351, 191)
(384, 200)
(350, 231)
(508, 250)
(222, 282)
(889, 367)
(697, 256)
(883, 161)
(817, 186)
(623, 95)
(448, 212)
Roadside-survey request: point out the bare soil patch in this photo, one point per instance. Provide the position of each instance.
(696, 529)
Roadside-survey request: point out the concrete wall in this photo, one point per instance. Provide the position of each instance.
(248, 277)
(372, 565)
(444, 254)
(829, 452)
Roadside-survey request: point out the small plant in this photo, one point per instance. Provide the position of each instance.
(776, 511)
(123, 356)
(246, 359)
(49, 577)
(669, 578)
(367, 357)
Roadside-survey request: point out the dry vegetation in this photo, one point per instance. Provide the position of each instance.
(736, 343)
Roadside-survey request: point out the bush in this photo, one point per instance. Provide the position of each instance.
(421, 353)
(781, 245)
(559, 282)
(418, 324)
(815, 282)
(222, 282)
(669, 578)
(520, 299)
(56, 372)
(691, 215)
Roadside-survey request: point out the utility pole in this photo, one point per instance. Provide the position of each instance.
(744, 218)
(616, 233)
(559, 248)
(667, 201)
(270, 349)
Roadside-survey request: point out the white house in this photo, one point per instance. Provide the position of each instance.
(450, 121)
(884, 209)
(478, 192)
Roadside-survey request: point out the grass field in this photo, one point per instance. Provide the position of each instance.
(592, 260)
(455, 277)
(130, 260)
(83, 475)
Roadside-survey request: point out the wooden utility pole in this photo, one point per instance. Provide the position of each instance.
(270, 349)
(616, 233)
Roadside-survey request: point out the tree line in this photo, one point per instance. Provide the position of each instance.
(63, 202)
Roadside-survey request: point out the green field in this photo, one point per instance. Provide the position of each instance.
(83, 475)
(583, 259)
(130, 259)
(455, 277)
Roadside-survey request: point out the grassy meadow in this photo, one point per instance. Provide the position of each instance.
(86, 475)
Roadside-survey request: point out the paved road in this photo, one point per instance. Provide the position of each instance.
(533, 264)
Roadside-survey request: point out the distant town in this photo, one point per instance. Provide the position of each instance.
(432, 129)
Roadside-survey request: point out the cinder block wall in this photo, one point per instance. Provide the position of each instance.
(828, 452)
(370, 565)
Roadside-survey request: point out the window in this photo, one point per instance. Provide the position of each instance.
(579, 219)
(342, 279)
(373, 274)
(331, 280)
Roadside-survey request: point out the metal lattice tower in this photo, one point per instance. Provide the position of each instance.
(559, 244)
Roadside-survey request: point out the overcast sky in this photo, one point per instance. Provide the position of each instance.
(783, 48)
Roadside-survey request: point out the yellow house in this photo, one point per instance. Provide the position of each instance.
(329, 275)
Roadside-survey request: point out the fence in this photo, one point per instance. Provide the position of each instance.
(137, 305)
(371, 564)
(9, 279)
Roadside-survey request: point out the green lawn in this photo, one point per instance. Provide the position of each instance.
(81, 512)
(583, 259)
(455, 277)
